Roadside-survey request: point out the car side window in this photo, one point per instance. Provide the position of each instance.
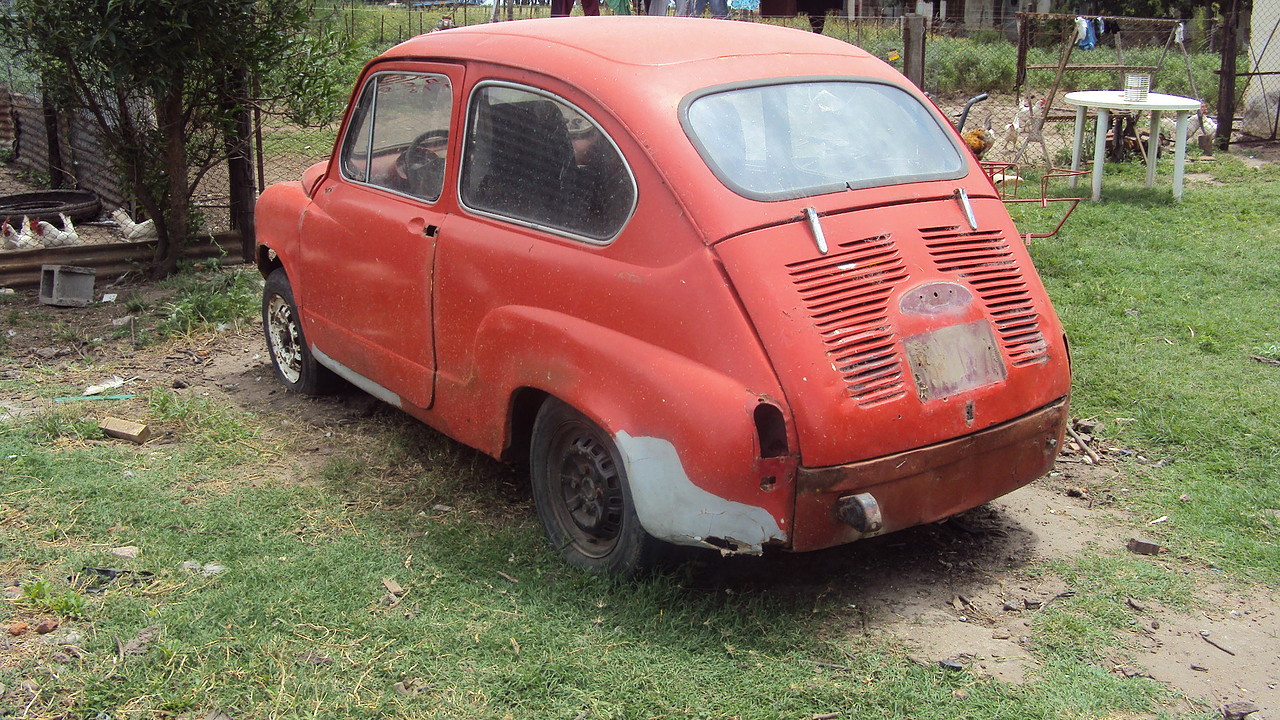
(398, 135)
(537, 160)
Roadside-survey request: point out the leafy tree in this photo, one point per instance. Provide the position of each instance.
(162, 80)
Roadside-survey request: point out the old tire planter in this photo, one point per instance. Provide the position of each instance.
(290, 357)
(79, 205)
(581, 493)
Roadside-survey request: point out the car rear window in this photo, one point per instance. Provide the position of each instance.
(535, 159)
(789, 140)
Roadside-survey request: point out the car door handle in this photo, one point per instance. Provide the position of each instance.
(419, 226)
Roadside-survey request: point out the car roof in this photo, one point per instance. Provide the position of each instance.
(574, 48)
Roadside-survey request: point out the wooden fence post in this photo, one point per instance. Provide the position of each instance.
(913, 48)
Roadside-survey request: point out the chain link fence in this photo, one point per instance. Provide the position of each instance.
(1260, 110)
(962, 60)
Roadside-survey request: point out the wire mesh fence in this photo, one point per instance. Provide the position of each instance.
(1260, 110)
(961, 61)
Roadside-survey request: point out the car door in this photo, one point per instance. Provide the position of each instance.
(369, 239)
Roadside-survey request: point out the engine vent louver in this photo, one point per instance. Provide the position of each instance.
(984, 261)
(847, 295)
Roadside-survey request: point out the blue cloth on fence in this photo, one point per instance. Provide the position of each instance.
(1088, 35)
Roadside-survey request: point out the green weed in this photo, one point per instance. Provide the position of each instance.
(50, 425)
(64, 332)
(41, 594)
(198, 416)
(1270, 351)
(135, 303)
(205, 300)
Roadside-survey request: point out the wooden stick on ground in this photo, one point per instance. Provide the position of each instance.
(1083, 445)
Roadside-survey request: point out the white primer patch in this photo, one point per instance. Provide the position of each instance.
(672, 508)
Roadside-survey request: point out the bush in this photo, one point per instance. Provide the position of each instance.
(962, 65)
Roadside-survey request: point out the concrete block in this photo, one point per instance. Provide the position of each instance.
(66, 285)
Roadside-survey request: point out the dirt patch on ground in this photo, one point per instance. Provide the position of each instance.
(1256, 152)
(965, 591)
(981, 614)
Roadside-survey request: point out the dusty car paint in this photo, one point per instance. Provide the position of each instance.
(772, 370)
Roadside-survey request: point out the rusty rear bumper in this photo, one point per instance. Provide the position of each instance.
(931, 483)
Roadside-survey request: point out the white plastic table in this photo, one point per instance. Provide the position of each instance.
(1104, 101)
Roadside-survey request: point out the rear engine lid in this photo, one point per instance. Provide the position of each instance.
(912, 328)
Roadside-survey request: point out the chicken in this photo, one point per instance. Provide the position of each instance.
(1198, 123)
(980, 140)
(21, 239)
(145, 230)
(1021, 120)
(50, 236)
(1006, 182)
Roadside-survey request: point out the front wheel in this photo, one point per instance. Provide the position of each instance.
(290, 356)
(580, 490)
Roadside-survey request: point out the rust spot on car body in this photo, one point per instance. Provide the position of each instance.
(936, 298)
(930, 483)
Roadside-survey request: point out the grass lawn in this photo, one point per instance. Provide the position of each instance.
(366, 567)
(1169, 308)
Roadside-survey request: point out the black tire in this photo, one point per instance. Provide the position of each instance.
(290, 356)
(583, 499)
(79, 205)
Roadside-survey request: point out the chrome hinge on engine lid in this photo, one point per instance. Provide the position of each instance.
(811, 214)
(962, 197)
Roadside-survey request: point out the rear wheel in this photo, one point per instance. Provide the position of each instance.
(582, 496)
(290, 356)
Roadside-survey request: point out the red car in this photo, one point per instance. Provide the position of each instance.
(720, 284)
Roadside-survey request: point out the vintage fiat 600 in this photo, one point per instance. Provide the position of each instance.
(719, 284)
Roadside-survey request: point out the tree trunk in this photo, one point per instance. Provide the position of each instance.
(171, 226)
(238, 134)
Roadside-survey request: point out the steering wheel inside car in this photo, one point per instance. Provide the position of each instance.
(421, 166)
